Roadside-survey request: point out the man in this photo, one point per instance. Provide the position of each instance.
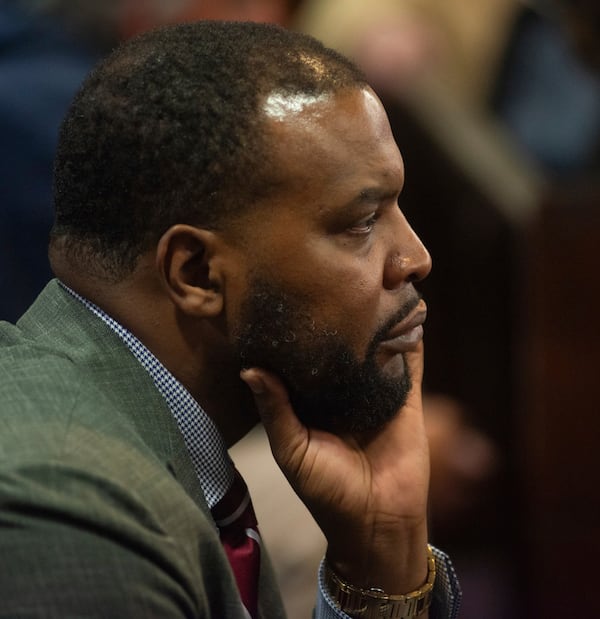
(228, 246)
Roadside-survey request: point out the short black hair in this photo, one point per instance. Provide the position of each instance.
(168, 129)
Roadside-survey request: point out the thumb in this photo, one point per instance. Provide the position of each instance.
(414, 360)
(284, 430)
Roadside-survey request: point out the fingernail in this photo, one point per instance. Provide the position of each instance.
(253, 381)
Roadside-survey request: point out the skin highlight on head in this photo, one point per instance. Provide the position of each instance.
(280, 105)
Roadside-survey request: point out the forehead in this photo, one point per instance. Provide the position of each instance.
(329, 148)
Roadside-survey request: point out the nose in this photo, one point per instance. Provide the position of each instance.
(408, 259)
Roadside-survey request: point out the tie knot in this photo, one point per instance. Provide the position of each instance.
(234, 512)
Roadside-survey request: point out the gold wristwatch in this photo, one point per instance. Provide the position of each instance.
(373, 603)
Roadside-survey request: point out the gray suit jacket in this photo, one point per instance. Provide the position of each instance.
(101, 513)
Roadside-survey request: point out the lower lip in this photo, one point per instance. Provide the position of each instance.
(406, 342)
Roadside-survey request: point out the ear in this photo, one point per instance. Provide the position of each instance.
(186, 259)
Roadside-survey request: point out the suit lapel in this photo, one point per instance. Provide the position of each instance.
(61, 322)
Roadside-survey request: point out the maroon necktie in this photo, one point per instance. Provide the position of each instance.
(235, 518)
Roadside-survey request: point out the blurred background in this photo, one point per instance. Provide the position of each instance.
(495, 105)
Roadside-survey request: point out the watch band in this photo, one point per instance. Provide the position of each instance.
(373, 603)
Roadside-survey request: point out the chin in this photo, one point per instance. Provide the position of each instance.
(352, 408)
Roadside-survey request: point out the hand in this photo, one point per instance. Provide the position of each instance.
(367, 493)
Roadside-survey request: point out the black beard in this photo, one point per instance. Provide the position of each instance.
(329, 388)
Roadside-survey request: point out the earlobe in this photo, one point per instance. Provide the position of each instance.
(185, 259)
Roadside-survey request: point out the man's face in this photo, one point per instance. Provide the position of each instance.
(326, 295)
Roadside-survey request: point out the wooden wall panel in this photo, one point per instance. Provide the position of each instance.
(560, 449)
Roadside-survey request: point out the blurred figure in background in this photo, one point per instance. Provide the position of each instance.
(46, 48)
(545, 93)
(510, 59)
(450, 46)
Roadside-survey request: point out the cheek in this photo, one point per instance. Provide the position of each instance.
(236, 292)
(340, 288)
(351, 305)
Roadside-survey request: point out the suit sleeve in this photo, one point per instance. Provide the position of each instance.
(73, 544)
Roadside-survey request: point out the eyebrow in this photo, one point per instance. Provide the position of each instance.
(375, 194)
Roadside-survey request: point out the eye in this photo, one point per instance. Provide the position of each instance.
(365, 225)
